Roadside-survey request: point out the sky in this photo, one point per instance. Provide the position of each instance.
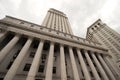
(81, 13)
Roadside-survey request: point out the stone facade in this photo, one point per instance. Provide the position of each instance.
(100, 32)
(51, 52)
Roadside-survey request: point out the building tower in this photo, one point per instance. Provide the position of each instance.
(50, 52)
(101, 33)
(57, 20)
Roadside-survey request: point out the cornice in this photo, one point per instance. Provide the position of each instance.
(53, 34)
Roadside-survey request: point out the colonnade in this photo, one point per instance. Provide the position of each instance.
(95, 61)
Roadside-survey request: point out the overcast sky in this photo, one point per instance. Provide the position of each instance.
(81, 13)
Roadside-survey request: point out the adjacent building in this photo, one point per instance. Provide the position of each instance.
(50, 51)
(100, 32)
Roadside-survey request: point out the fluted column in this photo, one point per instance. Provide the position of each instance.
(63, 26)
(60, 23)
(67, 31)
(106, 67)
(8, 47)
(56, 22)
(83, 65)
(92, 66)
(50, 20)
(99, 67)
(73, 63)
(53, 21)
(36, 61)
(12, 71)
(62, 63)
(50, 63)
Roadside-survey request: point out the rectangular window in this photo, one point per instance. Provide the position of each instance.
(35, 45)
(43, 56)
(27, 67)
(41, 68)
(54, 70)
(55, 58)
(43, 61)
(32, 54)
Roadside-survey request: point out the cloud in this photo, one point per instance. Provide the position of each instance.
(81, 13)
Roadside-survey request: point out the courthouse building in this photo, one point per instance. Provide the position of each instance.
(50, 51)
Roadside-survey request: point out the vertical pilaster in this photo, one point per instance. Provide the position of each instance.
(50, 20)
(60, 23)
(56, 23)
(53, 21)
(65, 25)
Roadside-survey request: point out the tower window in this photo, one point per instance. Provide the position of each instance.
(98, 23)
(54, 70)
(27, 67)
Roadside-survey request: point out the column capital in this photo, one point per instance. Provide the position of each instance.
(31, 38)
(78, 48)
(17, 34)
(42, 40)
(85, 50)
(51, 42)
(70, 46)
(61, 44)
